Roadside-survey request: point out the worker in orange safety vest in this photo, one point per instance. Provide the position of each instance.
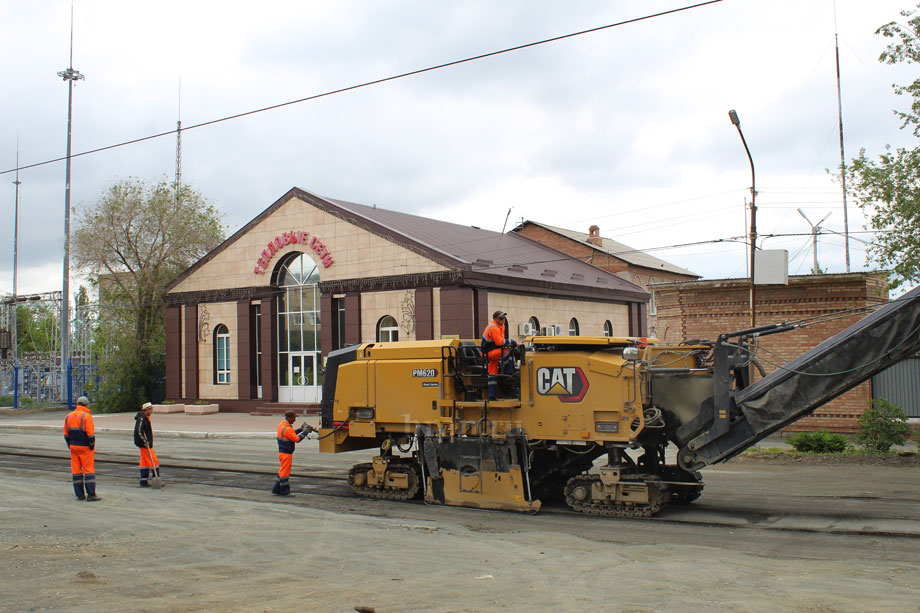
(287, 438)
(80, 436)
(494, 347)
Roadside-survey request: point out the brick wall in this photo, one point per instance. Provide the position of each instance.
(705, 309)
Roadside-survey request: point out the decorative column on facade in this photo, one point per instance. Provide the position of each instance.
(191, 352)
(424, 314)
(328, 324)
(244, 350)
(269, 341)
(174, 352)
(353, 319)
(457, 312)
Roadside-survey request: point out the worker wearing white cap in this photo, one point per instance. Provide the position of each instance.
(143, 439)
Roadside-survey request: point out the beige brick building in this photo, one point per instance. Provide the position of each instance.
(250, 323)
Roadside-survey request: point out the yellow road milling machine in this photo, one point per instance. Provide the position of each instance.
(566, 401)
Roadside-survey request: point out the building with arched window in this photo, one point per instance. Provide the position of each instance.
(249, 324)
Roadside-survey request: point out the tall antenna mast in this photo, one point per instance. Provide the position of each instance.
(17, 183)
(179, 146)
(843, 163)
(70, 75)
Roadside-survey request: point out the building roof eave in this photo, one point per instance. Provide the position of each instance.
(552, 287)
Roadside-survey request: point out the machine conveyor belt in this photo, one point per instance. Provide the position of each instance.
(877, 341)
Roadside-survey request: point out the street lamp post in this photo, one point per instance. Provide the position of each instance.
(737, 123)
(70, 75)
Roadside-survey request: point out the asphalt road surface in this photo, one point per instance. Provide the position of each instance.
(762, 537)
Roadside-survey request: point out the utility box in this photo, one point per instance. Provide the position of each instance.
(771, 267)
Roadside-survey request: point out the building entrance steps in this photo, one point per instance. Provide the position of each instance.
(280, 408)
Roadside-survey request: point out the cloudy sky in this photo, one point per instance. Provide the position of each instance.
(626, 127)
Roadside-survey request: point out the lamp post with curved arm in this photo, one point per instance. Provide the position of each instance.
(737, 123)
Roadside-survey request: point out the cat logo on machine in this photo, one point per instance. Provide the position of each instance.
(569, 383)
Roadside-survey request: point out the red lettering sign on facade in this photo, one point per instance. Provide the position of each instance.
(289, 238)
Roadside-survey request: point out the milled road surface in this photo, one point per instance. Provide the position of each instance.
(761, 538)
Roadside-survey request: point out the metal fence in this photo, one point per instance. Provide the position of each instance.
(34, 357)
(900, 385)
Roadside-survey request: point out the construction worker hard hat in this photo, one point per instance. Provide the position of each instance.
(499, 315)
(146, 406)
(83, 401)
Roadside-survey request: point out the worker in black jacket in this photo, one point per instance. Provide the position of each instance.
(143, 438)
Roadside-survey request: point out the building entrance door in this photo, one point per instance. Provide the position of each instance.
(299, 333)
(300, 382)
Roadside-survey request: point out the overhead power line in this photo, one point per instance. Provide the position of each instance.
(369, 83)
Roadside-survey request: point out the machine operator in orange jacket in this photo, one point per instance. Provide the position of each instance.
(80, 436)
(494, 347)
(287, 438)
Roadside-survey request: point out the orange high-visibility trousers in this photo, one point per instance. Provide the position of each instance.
(149, 458)
(286, 459)
(81, 460)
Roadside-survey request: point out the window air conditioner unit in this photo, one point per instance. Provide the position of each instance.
(526, 329)
(557, 330)
(551, 331)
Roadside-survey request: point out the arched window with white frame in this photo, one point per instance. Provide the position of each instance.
(300, 374)
(221, 354)
(387, 330)
(573, 327)
(608, 328)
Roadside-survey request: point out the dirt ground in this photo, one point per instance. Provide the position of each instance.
(189, 548)
(905, 459)
(196, 548)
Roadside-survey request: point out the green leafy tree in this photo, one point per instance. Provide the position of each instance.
(135, 240)
(81, 298)
(883, 426)
(887, 188)
(37, 329)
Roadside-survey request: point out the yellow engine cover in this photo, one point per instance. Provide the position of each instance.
(580, 396)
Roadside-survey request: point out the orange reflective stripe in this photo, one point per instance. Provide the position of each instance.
(68, 426)
(68, 421)
(80, 433)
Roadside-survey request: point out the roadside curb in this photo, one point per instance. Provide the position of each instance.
(30, 410)
(158, 433)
